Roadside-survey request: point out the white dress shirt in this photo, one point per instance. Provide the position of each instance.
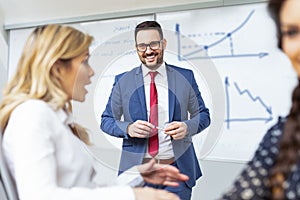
(48, 161)
(165, 150)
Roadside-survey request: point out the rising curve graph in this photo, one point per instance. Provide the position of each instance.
(201, 49)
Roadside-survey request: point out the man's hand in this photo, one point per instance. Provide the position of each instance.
(140, 129)
(177, 130)
(161, 174)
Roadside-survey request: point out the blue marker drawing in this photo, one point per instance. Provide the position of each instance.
(225, 36)
(229, 119)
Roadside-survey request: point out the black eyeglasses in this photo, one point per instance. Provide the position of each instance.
(154, 45)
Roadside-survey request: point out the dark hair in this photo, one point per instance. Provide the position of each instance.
(274, 8)
(148, 25)
(290, 142)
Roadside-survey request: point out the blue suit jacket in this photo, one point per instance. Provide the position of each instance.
(127, 99)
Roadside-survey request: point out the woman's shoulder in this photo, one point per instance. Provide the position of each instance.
(33, 109)
(277, 129)
(271, 140)
(35, 104)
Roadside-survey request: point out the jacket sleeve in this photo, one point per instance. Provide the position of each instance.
(111, 117)
(199, 113)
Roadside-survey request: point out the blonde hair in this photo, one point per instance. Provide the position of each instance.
(36, 76)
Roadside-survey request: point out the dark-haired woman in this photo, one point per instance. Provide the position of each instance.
(274, 171)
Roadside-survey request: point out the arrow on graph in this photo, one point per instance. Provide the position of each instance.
(254, 99)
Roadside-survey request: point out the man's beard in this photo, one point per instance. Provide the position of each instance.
(158, 62)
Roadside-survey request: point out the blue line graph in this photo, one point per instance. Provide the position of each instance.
(225, 36)
(256, 99)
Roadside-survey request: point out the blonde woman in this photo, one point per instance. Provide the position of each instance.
(45, 152)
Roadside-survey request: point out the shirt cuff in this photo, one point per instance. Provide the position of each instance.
(131, 177)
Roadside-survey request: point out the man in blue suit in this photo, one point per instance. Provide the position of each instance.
(181, 110)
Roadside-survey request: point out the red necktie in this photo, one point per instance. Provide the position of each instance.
(153, 118)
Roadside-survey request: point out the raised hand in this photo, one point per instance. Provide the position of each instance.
(161, 174)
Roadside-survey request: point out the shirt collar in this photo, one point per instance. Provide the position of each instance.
(161, 70)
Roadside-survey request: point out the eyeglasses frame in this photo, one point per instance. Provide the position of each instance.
(149, 45)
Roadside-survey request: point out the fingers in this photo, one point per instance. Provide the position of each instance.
(173, 174)
(177, 130)
(161, 174)
(171, 183)
(147, 167)
(167, 168)
(177, 178)
(140, 129)
(174, 181)
(170, 175)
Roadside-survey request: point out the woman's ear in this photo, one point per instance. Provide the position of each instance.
(57, 69)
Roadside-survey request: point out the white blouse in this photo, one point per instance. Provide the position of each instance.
(48, 161)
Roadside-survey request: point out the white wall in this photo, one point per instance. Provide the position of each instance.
(3, 54)
(49, 10)
(42, 12)
(3, 37)
(3, 41)
(4, 49)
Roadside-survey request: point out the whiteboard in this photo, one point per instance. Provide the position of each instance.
(241, 42)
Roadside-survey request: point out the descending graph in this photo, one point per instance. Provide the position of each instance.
(197, 52)
(265, 115)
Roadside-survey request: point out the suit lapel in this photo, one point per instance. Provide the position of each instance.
(139, 80)
(172, 90)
